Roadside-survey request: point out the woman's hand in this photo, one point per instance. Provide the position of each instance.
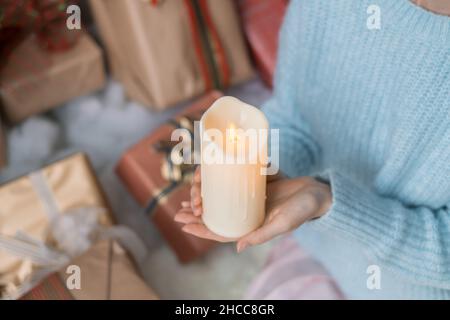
(289, 203)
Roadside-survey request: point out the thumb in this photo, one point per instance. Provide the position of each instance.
(267, 232)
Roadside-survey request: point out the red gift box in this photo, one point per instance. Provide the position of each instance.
(262, 21)
(159, 186)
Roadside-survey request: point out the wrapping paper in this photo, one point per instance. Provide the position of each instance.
(46, 19)
(107, 273)
(143, 170)
(262, 20)
(73, 185)
(35, 80)
(154, 49)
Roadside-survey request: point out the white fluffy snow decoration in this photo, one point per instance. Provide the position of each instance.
(30, 144)
(114, 95)
(33, 141)
(106, 124)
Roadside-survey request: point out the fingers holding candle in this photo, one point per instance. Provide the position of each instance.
(197, 175)
(196, 199)
(291, 203)
(194, 225)
(187, 217)
(185, 204)
(233, 203)
(200, 230)
(267, 232)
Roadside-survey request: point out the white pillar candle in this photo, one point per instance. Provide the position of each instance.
(233, 193)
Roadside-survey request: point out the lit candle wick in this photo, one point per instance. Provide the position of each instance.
(232, 134)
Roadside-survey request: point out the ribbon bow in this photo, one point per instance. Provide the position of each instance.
(173, 169)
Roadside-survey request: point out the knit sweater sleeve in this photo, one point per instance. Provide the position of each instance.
(410, 241)
(298, 152)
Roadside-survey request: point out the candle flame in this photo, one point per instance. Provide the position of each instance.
(232, 134)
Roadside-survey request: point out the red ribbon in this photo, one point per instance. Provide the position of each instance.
(211, 57)
(154, 2)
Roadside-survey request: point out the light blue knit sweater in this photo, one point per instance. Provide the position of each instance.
(369, 110)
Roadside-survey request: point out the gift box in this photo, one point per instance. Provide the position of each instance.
(48, 19)
(159, 185)
(35, 79)
(47, 218)
(262, 20)
(107, 273)
(168, 51)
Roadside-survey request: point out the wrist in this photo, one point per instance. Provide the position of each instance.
(321, 192)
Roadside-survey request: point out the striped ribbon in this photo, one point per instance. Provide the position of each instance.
(214, 65)
(52, 288)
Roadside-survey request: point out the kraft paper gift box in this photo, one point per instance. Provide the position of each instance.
(168, 51)
(106, 273)
(46, 207)
(35, 80)
(262, 20)
(159, 186)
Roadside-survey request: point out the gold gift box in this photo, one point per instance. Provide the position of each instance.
(73, 185)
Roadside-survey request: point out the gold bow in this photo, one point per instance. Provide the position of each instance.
(172, 167)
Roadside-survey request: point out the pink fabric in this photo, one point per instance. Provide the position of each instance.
(291, 274)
